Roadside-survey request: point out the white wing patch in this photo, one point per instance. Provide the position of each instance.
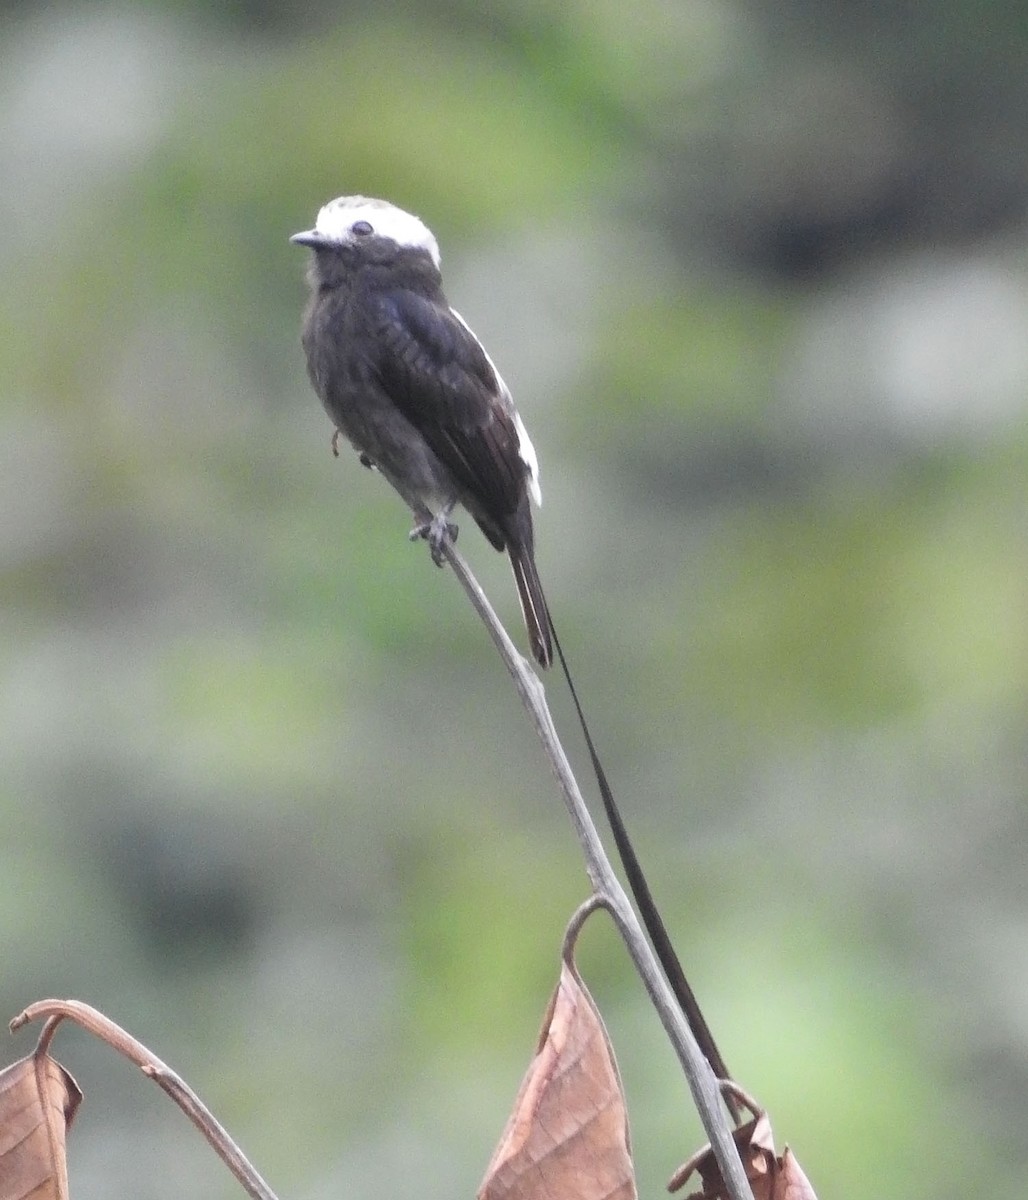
(526, 451)
(529, 458)
(338, 217)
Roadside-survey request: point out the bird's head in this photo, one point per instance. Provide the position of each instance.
(357, 223)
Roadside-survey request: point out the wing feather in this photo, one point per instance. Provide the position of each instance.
(437, 373)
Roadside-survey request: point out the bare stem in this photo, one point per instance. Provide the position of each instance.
(704, 1085)
(102, 1027)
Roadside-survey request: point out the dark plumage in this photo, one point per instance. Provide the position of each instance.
(410, 386)
(412, 389)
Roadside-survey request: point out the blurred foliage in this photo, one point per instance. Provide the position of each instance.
(758, 278)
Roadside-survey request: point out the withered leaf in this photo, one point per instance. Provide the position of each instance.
(770, 1177)
(791, 1183)
(38, 1100)
(568, 1134)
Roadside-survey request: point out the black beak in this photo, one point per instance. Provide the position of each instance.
(310, 237)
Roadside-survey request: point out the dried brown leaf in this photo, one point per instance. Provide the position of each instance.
(791, 1183)
(568, 1134)
(38, 1099)
(770, 1177)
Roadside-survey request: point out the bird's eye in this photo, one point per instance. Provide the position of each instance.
(363, 228)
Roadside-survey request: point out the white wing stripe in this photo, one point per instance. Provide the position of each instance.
(526, 450)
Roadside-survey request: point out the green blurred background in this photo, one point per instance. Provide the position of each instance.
(760, 286)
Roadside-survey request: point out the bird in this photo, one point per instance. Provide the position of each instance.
(408, 384)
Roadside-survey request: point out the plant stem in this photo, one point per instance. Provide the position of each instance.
(702, 1082)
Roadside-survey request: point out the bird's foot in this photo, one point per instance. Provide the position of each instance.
(335, 442)
(435, 532)
(366, 462)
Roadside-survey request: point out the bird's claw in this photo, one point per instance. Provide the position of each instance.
(435, 532)
(365, 461)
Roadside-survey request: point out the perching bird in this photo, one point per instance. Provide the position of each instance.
(412, 389)
(409, 385)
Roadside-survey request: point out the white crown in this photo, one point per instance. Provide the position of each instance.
(338, 217)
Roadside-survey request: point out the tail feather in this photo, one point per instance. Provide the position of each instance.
(533, 604)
